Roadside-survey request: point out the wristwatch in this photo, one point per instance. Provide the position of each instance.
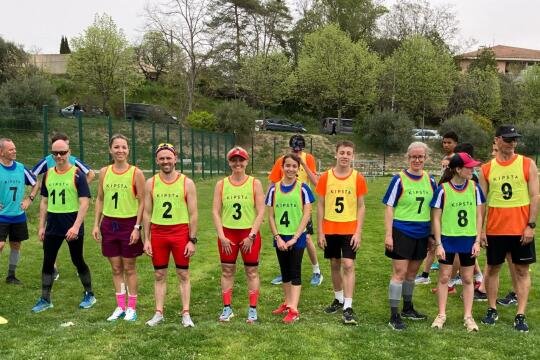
(193, 239)
(252, 236)
(137, 227)
(532, 225)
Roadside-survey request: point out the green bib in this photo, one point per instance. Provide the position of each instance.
(170, 207)
(413, 205)
(63, 194)
(238, 204)
(119, 198)
(459, 212)
(288, 209)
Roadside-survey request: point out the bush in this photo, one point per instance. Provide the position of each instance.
(469, 131)
(202, 120)
(386, 130)
(237, 117)
(32, 91)
(530, 142)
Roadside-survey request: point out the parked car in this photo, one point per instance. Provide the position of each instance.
(426, 134)
(135, 111)
(259, 124)
(85, 111)
(275, 124)
(345, 126)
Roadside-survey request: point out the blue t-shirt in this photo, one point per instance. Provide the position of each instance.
(48, 162)
(13, 179)
(307, 198)
(414, 229)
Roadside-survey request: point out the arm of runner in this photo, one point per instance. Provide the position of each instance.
(147, 215)
(191, 194)
(259, 209)
(528, 233)
(436, 225)
(485, 187)
(320, 219)
(306, 215)
(216, 216)
(73, 232)
(388, 221)
(139, 194)
(356, 239)
(98, 210)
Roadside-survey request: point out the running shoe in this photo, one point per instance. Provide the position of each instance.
(434, 266)
(349, 318)
(316, 279)
(277, 280)
(283, 308)
(412, 314)
(186, 320)
(478, 277)
(227, 314)
(520, 324)
(291, 317)
(42, 305)
(333, 307)
(118, 313)
(156, 319)
(420, 280)
(131, 314)
(509, 299)
(479, 296)
(491, 317)
(470, 324)
(439, 321)
(455, 281)
(252, 315)
(396, 323)
(88, 300)
(12, 280)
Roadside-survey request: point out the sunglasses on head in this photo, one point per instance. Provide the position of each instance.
(59, 153)
(165, 146)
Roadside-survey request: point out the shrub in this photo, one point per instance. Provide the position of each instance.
(530, 142)
(386, 130)
(469, 131)
(237, 117)
(28, 91)
(202, 120)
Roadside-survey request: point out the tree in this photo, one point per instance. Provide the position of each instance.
(102, 61)
(12, 60)
(27, 91)
(484, 60)
(154, 54)
(264, 78)
(235, 116)
(531, 92)
(424, 77)
(64, 46)
(335, 72)
(469, 131)
(386, 130)
(512, 101)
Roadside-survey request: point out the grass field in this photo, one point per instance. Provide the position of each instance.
(315, 336)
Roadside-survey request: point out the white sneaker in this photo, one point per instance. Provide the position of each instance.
(131, 314)
(156, 319)
(117, 314)
(478, 277)
(420, 280)
(186, 320)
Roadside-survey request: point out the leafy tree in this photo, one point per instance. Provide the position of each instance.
(237, 117)
(32, 91)
(530, 142)
(264, 79)
(154, 54)
(335, 72)
(102, 60)
(386, 130)
(202, 120)
(531, 92)
(64, 46)
(469, 131)
(512, 101)
(424, 77)
(12, 60)
(484, 61)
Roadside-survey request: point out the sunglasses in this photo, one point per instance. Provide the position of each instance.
(59, 153)
(165, 146)
(509, 140)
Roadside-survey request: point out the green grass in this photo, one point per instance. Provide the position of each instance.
(315, 336)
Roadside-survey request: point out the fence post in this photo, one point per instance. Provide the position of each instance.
(109, 126)
(202, 153)
(152, 160)
(218, 160)
(192, 154)
(45, 129)
(81, 139)
(134, 142)
(210, 150)
(181, 145)
(252, 155)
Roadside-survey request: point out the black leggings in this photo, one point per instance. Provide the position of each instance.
(51, 246)
(290, 263)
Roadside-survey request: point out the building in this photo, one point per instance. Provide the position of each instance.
(510, 60)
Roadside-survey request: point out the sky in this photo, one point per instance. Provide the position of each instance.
(39, 25)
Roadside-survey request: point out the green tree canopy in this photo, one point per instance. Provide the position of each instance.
(531, 92)
(12, 60)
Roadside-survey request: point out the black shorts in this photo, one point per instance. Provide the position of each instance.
(465, 259)
(16, 232)
(338, 246)
(309, 227)
(406, 247)
(500, 245)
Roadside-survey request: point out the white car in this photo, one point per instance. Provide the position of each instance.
(426, 134)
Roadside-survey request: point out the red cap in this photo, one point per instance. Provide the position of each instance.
(237, 151)
(468, 161)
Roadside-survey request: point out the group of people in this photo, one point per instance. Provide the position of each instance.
(159, 217)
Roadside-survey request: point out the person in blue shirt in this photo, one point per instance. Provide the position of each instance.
(13, 203)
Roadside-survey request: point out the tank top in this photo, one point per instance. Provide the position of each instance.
(119, 199)
(63, 194)
(170, 206)
(459, 212)
(413, 204)
(288, 209)
(238, 204)
(340, 201)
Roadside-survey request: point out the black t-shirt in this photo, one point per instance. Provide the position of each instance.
(59, 223)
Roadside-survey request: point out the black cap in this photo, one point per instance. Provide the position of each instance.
(507, 131)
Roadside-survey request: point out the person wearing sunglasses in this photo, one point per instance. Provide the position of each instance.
(170, 221)
(511, 184)
(117, 224)
(65, 197)
(13, 204)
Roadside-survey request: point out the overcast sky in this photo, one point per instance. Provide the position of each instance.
(38, 25)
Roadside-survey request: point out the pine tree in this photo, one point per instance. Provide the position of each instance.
(64, 46)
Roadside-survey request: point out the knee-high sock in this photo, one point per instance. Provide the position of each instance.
(394, 296)
(408, 288)
(14, 256)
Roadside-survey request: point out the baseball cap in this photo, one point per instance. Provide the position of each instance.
(462, 159)
(507, 131)
(165, 146)
(237, 151)
(297, 142)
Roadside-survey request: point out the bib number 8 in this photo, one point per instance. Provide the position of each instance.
(462, 218)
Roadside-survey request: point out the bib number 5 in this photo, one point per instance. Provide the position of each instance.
(339, 205)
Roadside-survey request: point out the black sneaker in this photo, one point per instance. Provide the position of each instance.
(334, 307)
(479, 296)
(412, 314)
(396, 323)
(520, 324)
(11, 279)
(509, 299)
(349, 318)
(491, 317)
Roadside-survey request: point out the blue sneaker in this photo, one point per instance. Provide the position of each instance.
(42, 305)
(434, 266)
(252, 315)
(316, 279)
(227, 314)
(277, 280)
(88, 300)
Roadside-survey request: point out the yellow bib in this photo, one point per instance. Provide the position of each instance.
(170, 207)
(238, 204)
(340, 201)
(119, 198)
(507, 185)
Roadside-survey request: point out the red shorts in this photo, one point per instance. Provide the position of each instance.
(167, 239)
(236, 235)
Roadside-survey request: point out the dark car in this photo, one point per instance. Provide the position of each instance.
(275, 124)
(150, 112)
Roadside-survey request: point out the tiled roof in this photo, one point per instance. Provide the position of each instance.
(506, 53)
